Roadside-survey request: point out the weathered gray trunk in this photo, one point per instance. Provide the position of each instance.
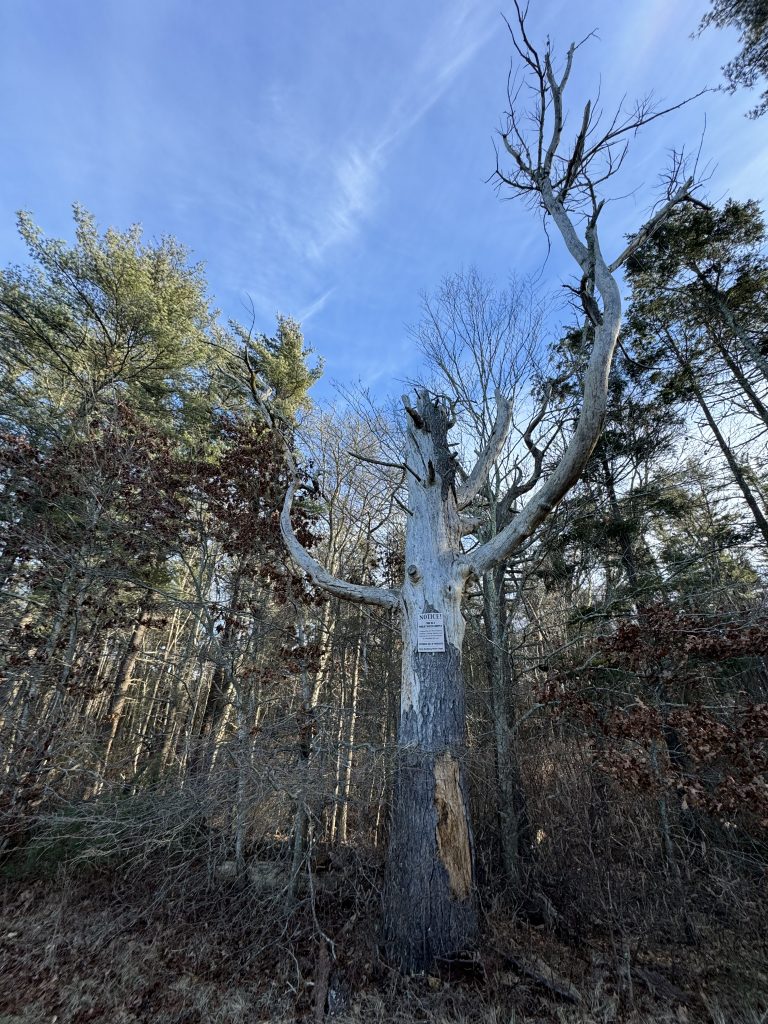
(429, 899)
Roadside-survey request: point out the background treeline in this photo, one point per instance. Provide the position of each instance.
(176, 702)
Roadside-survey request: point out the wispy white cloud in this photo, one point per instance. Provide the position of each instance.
(356, 167)
(316, 306)
(313, 184)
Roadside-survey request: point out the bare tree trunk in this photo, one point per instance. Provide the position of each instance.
(512, 805)
(347, 764)
(627, 551)
(741, 378)
(124, 678)
(339, 732)
(243, 709)
(722, 307)
(757, 513)
(430, 907)
(310, 693)
(218, 698)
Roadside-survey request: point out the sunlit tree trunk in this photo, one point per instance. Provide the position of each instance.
(124, 679)
(348, 749)
(430, 903)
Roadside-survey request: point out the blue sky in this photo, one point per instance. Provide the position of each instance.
(328, 160)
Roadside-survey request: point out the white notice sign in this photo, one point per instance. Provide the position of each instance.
(431, 632)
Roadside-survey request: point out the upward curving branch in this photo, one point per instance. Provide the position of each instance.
(317, 572)
(380, 596)
(565, 185)
(581, 445)
(477, 478)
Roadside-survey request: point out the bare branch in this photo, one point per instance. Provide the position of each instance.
(319, 575)
(476, 479)
(537, 148)
(315, 570)
(642, 236)
(418, 422)
(381, 462)
(564, 185)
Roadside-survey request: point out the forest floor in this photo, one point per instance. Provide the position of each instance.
(92, 951)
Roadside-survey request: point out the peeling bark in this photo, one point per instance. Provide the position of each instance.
(452, 830)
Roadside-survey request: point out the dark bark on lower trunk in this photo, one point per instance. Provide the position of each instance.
(430, 910)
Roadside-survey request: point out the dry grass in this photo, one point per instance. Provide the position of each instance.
(117, 911)
(88, 950)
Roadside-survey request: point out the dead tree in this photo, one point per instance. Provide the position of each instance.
(430, 908)
(476, 339)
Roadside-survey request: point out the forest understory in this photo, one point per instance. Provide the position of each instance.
(182, 940)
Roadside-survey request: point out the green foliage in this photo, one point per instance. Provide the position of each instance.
(701, 548)
(281, 365)
(110, 317)
(622, 493)
(706, 251)
(750, 18)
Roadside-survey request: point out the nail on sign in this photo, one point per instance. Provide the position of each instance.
(431, 632)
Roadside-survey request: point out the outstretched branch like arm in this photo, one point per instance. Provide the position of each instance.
(645, 232)
(319, 575)
(477, 478)
(588, 427)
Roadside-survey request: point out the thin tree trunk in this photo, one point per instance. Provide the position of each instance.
(728, 316)
(735, 468)
(514, 829)
(339, 744)
(310, 693)
(124, 679)
(757, 404)
(351, 734)
(627, 555)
